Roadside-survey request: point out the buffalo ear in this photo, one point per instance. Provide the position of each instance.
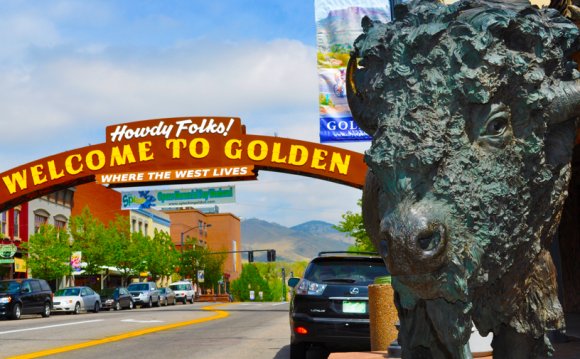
(370, 210)
(360, 114)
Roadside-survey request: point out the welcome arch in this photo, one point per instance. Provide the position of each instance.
(179, 150)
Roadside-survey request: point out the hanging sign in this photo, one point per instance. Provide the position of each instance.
(178, 198)
(179, 150)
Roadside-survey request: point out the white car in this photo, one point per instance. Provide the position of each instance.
(76, 299)
(183, 291)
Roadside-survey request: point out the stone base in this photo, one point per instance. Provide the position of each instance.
(383, 354)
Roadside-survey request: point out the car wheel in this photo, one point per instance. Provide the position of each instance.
(77, 309)
(298, 350)
(174, 301)
(158, 302)
(97, 307)
(117, 306)
(150, 304)
(46, 311)
(191, 300)
(131, 306)
(16, 312)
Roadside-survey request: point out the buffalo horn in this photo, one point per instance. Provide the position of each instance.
(566, 104)
(355, 99)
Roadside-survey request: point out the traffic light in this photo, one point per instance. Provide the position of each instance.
(250, 256)
(271, 255)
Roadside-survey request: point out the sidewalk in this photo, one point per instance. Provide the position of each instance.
(565, 350)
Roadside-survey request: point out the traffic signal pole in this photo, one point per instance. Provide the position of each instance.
(271, 254)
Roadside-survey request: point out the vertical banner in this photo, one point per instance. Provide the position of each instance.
(338, 24)
(75, 263)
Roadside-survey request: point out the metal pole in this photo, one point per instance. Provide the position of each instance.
(70, 264)
(283, 284)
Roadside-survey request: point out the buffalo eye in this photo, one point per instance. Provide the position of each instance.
(495, 130)
(495, 127)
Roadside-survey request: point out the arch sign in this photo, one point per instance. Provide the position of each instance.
(179, 150)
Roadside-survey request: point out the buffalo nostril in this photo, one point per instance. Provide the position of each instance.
(429, 239)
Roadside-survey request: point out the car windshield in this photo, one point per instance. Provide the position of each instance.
(179, 286)
(9, 287)
(351, 272)
(138, 286)
(162, 290)
(67, 292)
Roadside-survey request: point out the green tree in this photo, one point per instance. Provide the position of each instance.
(162, 257)
(352, 224)
(124, 253)
(190, 256)
(49, 253)
(92, 239)
(250, 280)
(212, 265)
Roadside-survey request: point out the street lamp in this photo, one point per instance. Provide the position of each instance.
(191, 229)
(182, 240)
(71, 241)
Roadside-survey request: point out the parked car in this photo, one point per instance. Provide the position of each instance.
(329, 305)
(25, 296)
(183, 291)
(167, 296)
(76, 299)
(116, 298)
(144, 294)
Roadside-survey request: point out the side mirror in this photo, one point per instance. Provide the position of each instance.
(25, 290)
(292, 282)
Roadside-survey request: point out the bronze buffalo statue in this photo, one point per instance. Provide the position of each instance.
(472, 109)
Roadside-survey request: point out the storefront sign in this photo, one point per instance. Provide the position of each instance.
(19, 265)
(179, 150)
(8, 250)
(178, 198)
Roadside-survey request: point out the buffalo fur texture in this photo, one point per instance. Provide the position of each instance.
(473, 128)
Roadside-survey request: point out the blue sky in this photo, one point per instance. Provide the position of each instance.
(68, 69)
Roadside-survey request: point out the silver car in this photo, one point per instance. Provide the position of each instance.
(76, 299)
(144, 294)
(166, 296)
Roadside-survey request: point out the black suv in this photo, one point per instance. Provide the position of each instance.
(329, 306)
(25, 296)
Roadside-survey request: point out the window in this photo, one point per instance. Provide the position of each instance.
(133, 225)
(4, 224)
(35, 286)
(146, 228)
(60, 221)
(200, 227)
(40, 219)
(16, 223)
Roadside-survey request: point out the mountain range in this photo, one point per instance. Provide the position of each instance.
(298, 243)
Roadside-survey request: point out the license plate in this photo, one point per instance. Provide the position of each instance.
(354, 307)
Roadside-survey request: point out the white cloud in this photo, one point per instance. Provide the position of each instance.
(65, 95)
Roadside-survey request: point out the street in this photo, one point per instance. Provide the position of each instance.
(236, 330)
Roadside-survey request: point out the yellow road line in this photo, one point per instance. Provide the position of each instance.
(219, 314)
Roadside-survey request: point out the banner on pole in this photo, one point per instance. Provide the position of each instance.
(338, 24)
